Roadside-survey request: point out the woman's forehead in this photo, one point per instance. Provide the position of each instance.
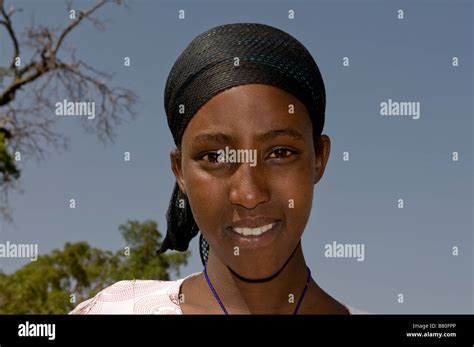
(249, 109)
(254, 96)
(252, 101)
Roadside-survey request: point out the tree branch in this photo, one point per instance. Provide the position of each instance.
(27, 118)
(7, 23)
(75, 22)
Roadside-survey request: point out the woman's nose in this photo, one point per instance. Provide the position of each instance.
(249, 186)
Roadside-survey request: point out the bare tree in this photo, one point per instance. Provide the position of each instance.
(27, 122)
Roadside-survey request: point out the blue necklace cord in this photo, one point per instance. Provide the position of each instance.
(216, 296)
(214, 291)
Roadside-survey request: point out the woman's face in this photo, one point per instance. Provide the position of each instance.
(271, 185)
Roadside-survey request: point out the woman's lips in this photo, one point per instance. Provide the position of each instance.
(257, 237)
(254, 231)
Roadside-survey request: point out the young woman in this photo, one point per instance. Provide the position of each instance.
(245, 104)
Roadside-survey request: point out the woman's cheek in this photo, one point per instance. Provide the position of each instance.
(206, 202)
(294, 191)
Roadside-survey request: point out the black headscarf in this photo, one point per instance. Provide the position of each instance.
(221, 58)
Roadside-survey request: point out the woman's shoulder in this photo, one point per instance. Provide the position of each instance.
(144, 297)
(135, 297)
(353, 310)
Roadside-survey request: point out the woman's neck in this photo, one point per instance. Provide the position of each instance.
(277, 296)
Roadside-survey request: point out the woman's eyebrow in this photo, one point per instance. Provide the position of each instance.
(281, 132)
(211, 137)
(223, 138)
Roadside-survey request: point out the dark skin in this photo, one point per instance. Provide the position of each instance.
(289, 164)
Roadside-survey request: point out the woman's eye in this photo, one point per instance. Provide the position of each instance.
(212, 157)
(281, 153)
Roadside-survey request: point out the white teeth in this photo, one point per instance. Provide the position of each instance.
(254, 231)
(257, 231)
